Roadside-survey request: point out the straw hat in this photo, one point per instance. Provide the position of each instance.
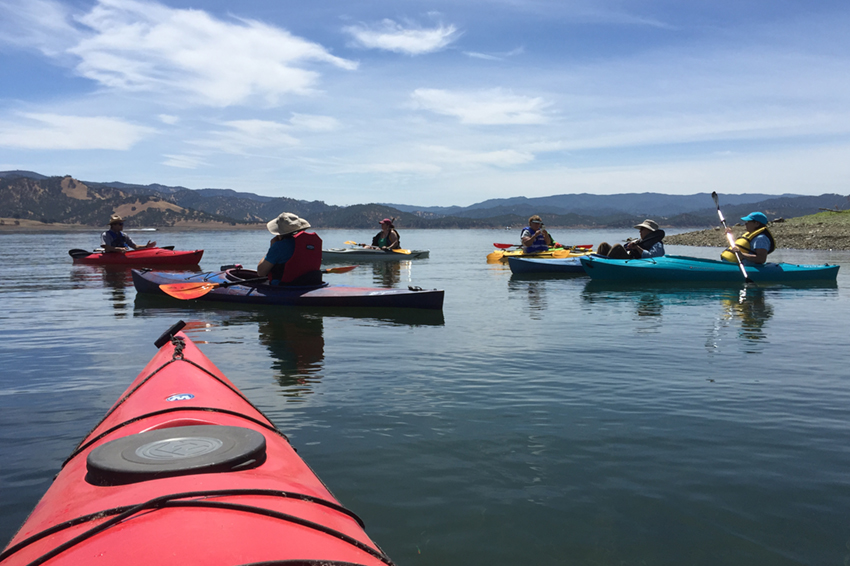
(287, 223)
(115, 218)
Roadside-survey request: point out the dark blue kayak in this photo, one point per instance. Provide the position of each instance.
(523, 265)
(231, 289)
(680, 269)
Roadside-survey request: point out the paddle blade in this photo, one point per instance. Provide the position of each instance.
(350, 243)
(77, 253)
(495, 256)
(341, 269)
(188, 291)
(406, 252)
(505, 246)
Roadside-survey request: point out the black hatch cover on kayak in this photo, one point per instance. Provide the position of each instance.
(175, 451)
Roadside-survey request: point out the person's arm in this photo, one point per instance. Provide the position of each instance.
(527, 237)
(146, 246)
(393, 241)
(758, 255)
(264, 267)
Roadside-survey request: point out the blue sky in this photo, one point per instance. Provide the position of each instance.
(430, 103)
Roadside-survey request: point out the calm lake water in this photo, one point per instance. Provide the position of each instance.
(537, 421)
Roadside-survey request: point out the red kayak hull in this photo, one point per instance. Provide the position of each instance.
(143, 258)
(272, 507)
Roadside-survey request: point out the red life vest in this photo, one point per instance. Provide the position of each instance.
(304, 264)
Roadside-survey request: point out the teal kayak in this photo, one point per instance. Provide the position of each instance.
(682, 269)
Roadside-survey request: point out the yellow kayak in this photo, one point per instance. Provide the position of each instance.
(558, 253)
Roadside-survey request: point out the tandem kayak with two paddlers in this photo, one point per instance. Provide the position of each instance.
(144, 257)
(682, 269)
(184, 470)
(244, 286)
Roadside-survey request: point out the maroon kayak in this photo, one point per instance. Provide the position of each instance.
(139, 258)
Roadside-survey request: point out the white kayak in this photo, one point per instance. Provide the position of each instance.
(368, 254)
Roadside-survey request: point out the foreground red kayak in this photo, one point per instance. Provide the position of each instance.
(139, 258)
(184, 470)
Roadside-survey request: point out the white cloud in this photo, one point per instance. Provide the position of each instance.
(500, 158)
(314, 123)
(398, 167)
(486, 107)
(391, 36)
(168, 119)
(44, 25)
(185, 161)
(244, 135)
(140, 46)
(54, 131)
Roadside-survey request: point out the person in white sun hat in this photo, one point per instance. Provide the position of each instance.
(295, 256)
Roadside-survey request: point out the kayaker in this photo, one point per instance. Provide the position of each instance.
(755, 244)
(114, 240)
(535, 238)
(650, 244)
(388, 238)
(294, 256)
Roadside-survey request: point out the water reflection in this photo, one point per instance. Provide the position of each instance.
(116, 279)
(750, 308)
(535, 292)
(388, 273)
(294, 336)
(745, 309)
(297, 347)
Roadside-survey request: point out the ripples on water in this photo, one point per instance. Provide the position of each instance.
(535, 421)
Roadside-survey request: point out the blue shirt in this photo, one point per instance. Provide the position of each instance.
(109, 237)
(655, 251)
(760, 242)
(281, 251)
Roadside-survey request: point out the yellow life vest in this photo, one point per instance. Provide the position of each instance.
(744, 243)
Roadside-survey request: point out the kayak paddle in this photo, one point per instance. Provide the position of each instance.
(195, 289)
(730, 238)
(350, 243)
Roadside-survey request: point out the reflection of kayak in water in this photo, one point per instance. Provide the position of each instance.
(678, 269)
(226, 286)
(183, 470)
(139, 258)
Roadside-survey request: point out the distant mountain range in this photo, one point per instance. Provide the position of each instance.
(65, 200)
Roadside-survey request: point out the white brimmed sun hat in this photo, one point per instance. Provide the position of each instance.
(287, 223)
